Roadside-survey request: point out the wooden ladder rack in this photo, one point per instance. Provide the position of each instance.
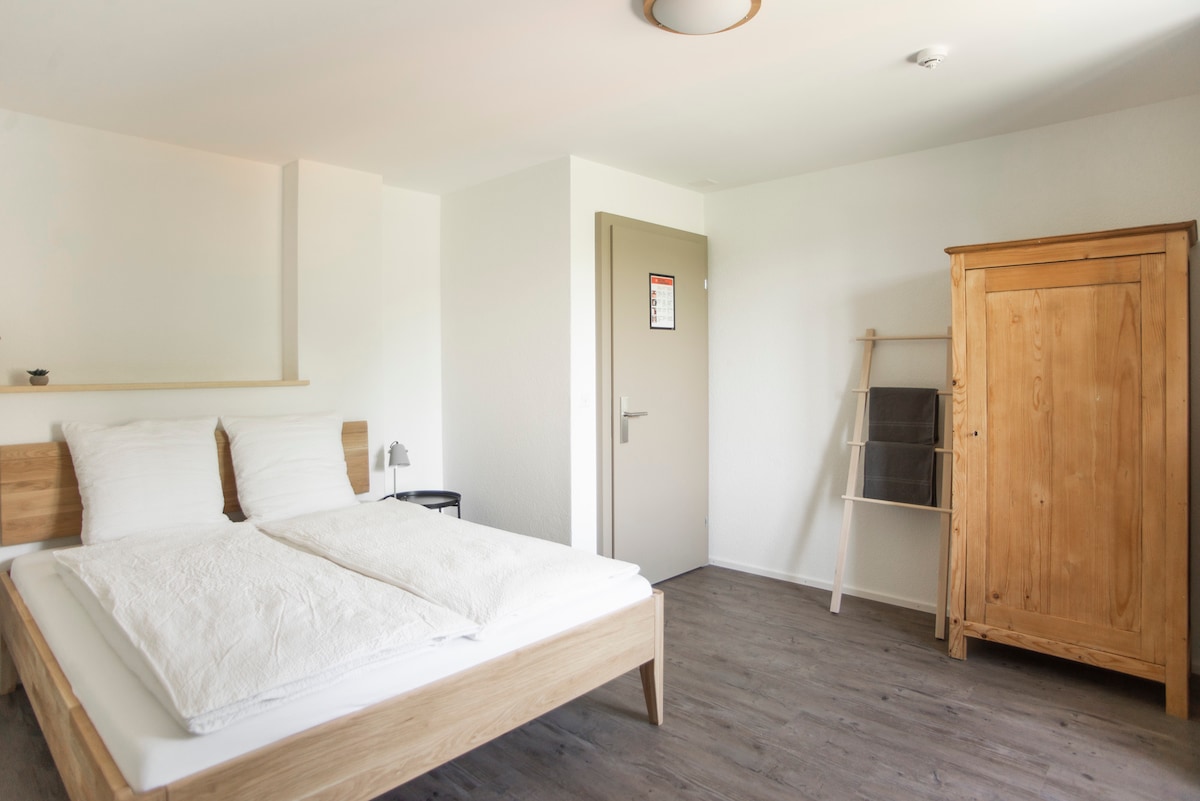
(853, 495)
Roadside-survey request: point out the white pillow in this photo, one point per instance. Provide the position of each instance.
(289, 465)
(149, 475)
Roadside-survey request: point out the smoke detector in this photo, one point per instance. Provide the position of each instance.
(931, 57)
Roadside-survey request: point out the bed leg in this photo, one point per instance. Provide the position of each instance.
(8, 670)
(652, 671)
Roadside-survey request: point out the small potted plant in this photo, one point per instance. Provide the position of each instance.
(39, 377)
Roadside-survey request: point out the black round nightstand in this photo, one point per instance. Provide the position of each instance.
(432, 499)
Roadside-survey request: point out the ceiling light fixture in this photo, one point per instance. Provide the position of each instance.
(699, 17)
(931, 57)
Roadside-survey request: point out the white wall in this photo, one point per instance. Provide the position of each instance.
(802, 266)
(505, 350)
(596, 188)
(357, 245)
(519, 339)
(104, 238)
(410, 350)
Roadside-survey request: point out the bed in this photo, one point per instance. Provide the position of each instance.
(355, 756)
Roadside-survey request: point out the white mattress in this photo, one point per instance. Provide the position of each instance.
(152, 750)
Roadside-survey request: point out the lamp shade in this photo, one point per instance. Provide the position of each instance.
(699, 17)
(397, 455)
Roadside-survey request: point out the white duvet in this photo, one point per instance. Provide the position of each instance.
(482, 573)
(227, 621)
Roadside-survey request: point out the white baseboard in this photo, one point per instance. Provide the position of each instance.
(806, 581)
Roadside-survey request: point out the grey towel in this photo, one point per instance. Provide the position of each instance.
(903, 414)
(899, 471)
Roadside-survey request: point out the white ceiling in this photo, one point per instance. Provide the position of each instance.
(443, 94)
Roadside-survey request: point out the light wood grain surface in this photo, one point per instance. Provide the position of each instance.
(23, 388)
(1071, 382)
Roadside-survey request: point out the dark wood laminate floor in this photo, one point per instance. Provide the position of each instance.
(771, 697)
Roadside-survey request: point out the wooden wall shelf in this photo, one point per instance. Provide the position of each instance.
(153, 385)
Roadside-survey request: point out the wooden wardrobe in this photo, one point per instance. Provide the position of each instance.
(1070, 393)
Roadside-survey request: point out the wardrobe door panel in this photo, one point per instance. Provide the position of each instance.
(1064, 455)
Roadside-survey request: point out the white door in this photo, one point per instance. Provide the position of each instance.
(656, 399)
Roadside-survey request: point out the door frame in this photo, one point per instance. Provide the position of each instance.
(605, 222)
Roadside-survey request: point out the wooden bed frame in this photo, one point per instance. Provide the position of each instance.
(355, 757)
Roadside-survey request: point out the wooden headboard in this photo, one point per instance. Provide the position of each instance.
(39, 495)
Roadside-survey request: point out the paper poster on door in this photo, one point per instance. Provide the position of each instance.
(662, 301)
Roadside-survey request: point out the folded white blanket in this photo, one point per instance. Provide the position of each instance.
(482, 573)
(227, 621)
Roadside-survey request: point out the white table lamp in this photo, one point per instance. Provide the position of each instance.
(397, 457)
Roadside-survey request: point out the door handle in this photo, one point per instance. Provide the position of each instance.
(625, 415)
